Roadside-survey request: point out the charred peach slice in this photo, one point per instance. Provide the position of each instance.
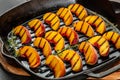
(78, 10)
(74, 59)
(56, 38)
(66, 15)
(31, 54)
(44, 45)
(89, 51)
(101, 43)
(114, 37)
(70, 34)
(84, 27)
(57, 65)
(23, 33)
(38, 27)
(52, 19)
(97, 22)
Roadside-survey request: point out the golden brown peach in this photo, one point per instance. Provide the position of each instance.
(38, 27)
(56, 38)
(78, 10)
(66, 15)
(70, 34)
(31, 54)
(84, 27)
(44, 45)
(52, 19)
(74, 59)
(90, 52)
(101, 43)
(57, 65)
(23, 33)
(97, 22)
(114, 37)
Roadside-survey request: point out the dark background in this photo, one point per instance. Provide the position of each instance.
(6, 5)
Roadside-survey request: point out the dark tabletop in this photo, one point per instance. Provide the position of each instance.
(8, 4)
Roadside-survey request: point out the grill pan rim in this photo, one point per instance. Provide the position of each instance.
(30, 71)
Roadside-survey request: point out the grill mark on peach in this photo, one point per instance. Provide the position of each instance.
(40, 42)
(95, 20)
(72, 56)
(75, 63)
(51, 62)
(48, 34)
(59, 39)
(72, 6)
(38, 27)
(87, 29)
(70, 34)
(55, 23)
(55, 65)
(88, 57)
(117, 39)
(65, 55)
(44, 44)
(105, 49)
(36, 23)
(88, 19)
(48, 16)
(87, 49)
(54, 36)
(111, 36)
(67, 18)
(26, 50)
(66, 31)
(60, 30)
(23, 33)
(102, 42)
(65, 13)
(84, 45)
(30, 55)
(81, 26)
(77, 8)
(53, 18)
(61, 12)
(20, 30)
(83, 16)
(99, 24)
(80, 12)
(99, 39)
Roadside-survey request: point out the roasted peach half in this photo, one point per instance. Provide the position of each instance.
(57, 65)
(70, 34)
(114, 37)
(52, 19)
(38, 27)
(84, 27)
(31, 54)
(74, 59)
(78, 10)
(66, 15)
(97, 22)
(44, 45)
(55, 38)
(89, 51)
(101, 43)
(23, 33)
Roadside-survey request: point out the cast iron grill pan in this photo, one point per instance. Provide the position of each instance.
(45, 72)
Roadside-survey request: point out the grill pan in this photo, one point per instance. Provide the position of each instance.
(36, 9)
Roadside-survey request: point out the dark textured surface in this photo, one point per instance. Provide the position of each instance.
(3, 74)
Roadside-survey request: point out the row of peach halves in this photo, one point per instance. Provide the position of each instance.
(55, 36)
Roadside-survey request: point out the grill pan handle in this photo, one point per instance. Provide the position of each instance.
(104, 73)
